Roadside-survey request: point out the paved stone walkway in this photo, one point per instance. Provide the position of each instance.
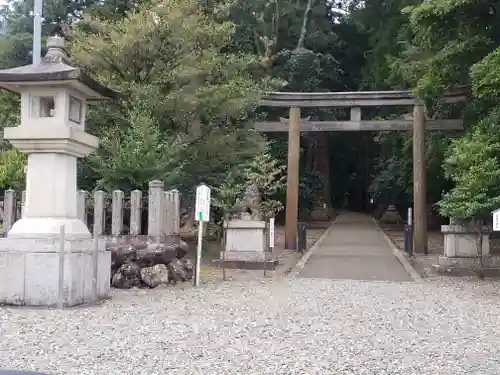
(354, 248)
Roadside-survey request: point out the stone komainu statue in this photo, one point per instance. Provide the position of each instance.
(251, 202)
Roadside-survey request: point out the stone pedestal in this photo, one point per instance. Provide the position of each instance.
(30, 272)
(246, 246)
(460, 250)
(460, 241)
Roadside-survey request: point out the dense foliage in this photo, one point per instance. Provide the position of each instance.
(190, 74)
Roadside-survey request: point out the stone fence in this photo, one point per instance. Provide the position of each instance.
(157, 214)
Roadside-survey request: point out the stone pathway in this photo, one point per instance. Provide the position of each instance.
(354, 248)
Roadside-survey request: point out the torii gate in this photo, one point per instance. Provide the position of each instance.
(355, 101)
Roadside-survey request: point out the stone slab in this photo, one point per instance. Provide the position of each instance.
(29, 272)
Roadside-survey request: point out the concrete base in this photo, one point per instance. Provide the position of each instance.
(460, 241)
(29, 272)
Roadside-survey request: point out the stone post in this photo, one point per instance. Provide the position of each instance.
(155, 209)
(23, 204)
(176, 215)
(81, 206)
(169, 213)
(135, 212)
(9, 209)
(99, 212)
(117, 212)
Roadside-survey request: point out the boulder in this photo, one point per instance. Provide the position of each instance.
(127, 276)
(121, 254)
(181, 250)
(188, 267)
(155, 254)
(176, 271)
(155, 275)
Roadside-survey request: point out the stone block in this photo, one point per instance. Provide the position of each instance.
(29, 272)
(460, 241)
(245, 236)
(246, 246)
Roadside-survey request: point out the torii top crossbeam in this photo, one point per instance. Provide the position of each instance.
(353, 98)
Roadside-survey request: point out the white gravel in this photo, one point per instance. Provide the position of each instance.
(299, 326)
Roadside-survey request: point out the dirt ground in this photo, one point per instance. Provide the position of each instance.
(287, 259)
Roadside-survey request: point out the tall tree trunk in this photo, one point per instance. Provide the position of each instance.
(305, 22)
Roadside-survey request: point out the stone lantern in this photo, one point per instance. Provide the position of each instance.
(54, 98)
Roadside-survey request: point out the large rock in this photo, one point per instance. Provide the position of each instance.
(155, 275)
(176, 271)
(121, 254)
(155, 254)
(188, 267)
(181, 250)
(127, 276)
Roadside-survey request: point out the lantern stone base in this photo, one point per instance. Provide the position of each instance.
(42, 227)
(246, 246)
(460, 241)
(30, 269)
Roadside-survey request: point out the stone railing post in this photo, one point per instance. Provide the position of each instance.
(81, 206)
(99, 212)
(155, 209)
(135, 212)
(168, 211)
(9, 210)
(23, 204)
(176, 215)
(117, 212)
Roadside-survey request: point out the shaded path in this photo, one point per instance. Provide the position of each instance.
(354, 248)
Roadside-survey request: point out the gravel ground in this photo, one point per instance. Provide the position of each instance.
(298, 326)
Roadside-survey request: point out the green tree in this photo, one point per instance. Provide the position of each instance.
(473, 164)
(12, 164)
(167, 60)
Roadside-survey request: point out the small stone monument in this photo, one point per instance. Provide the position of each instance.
(54, 98)
(246, 237)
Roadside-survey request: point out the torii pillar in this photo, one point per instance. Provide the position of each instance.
(292, 190)
(419, 180)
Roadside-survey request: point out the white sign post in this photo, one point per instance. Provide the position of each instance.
(496, 220)
(202, 212)
(271, 233)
